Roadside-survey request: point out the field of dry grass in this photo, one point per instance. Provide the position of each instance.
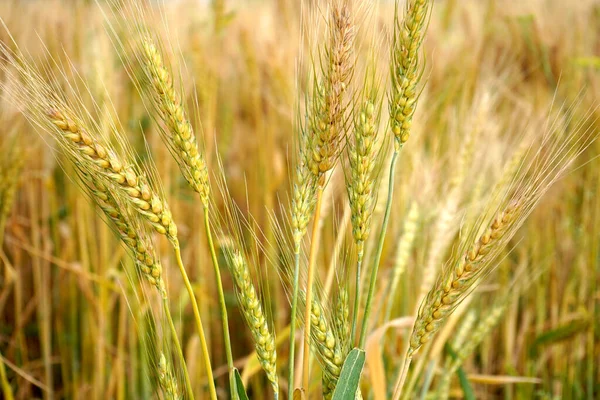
(420, 183)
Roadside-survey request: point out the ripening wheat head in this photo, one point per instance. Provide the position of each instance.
(69, 123)
(406, 68)
(326, 119)
(362, 156)
(546, 161)
(128, 227)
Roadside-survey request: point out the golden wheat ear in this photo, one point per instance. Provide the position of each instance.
(557, 146)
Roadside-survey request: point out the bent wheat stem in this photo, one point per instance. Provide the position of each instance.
(222, 305)
(381, 240)
(199, 327)
(314, 247)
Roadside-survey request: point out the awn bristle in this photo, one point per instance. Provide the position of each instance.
(180, 137)
(406, 69)
(254, 315)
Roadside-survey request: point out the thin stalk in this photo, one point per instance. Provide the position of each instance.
(190, 290)
(6, 389)
(399, 392)
(188, 382)
(314, 247)
(402, 376)
(386, 219)
(222, 305)
(2, 227)
(357, 292)
(293, 323)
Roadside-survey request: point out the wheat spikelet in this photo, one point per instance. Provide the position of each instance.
(180, 137)
(406, 69)
(255, 317)
(166, 379)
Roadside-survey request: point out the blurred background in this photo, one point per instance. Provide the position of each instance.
(72, 313)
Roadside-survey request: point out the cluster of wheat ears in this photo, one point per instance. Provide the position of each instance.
(354, 121)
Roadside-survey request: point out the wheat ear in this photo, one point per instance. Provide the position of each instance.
(181, 141)
(179, 136)
(329, 349)
(327, 127)
(130, 233)
(93, 154)
(405, 244)
(402, 99)
(166, 379)
(406, 68)
(362, 154)
(252, 311)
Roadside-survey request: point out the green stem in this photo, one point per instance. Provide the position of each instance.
(386, 219)
(222, 305)
(203, 345)
(312, 259)
(356, 295)
(402, 377)
(293, 322)
(6, 389)
(188, 382)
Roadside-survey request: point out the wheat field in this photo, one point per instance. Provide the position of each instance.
(265, 199)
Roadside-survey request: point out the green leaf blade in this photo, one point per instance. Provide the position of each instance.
(350, 376)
